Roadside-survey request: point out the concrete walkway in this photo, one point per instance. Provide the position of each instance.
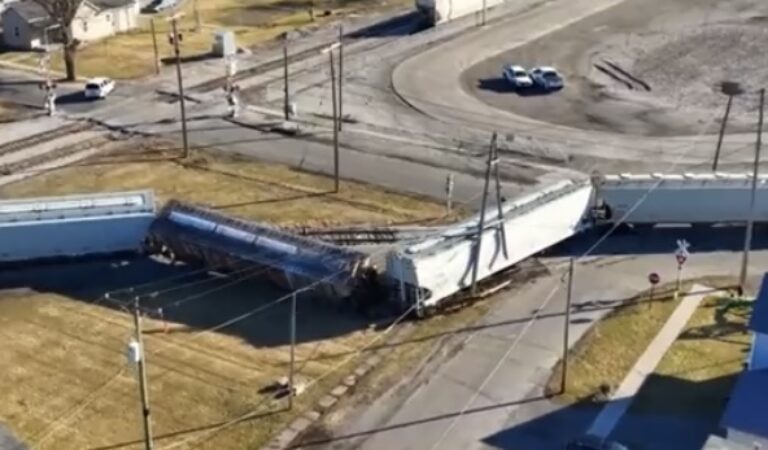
(613, 411)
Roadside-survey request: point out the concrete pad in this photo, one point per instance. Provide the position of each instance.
(326, 403)
(339, 390)
(300, 424)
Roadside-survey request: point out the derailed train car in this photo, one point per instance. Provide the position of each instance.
(192, 233)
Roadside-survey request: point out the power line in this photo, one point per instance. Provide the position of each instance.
(549, 297)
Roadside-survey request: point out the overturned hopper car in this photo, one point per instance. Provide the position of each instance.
(195, 234)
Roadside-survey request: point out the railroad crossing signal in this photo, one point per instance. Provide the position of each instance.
(681, 254)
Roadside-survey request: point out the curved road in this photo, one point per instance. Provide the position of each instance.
(431, 83)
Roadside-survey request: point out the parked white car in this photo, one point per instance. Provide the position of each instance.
(99, 87)
(546, 77)
(517, 76)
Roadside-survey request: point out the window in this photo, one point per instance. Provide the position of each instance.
(85, 26)
(16, 31)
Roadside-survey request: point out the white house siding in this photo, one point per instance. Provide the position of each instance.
(124, 19)
(90, 25)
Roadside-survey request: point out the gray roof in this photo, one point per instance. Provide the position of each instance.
(747, 410)
(30, 11)
(36, 15)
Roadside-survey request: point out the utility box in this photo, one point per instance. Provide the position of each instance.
(224, 44)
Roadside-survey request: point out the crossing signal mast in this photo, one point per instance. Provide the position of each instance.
(48, 85)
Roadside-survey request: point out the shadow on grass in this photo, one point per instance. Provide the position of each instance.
(669, 413)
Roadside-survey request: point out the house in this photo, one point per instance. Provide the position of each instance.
(746, 416)
(26, 25)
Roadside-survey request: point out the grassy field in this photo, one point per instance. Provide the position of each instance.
(131, 54)
(607, 352)
(235, 186)
(70, 387)
(696, 375)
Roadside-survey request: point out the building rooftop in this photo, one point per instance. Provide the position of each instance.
(746, 409)
(24, 210)
(758, 322)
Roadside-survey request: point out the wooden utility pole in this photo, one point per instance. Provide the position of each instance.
(286, 99)
(291, 386)
(567, 327)
(722, 132)
(753, 193)
(481, 224)
(341, 74)
(335, 124)
(175, 38)
(154, 46)
(142, 375)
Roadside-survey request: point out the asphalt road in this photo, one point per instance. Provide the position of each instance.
(583, 103)
(24, 88)
(443, 96)
(443, 406)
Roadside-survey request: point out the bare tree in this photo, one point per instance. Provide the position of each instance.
(63, 12)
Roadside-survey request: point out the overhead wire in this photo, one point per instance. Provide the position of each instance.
(547, 300)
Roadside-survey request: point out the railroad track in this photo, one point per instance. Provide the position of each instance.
(352, 46)
(31, 141)
(358, 236)
(59, 153)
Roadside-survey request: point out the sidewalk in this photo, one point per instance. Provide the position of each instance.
(621, 400)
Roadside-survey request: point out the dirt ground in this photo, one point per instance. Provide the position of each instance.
(682, 50)
(233, 185)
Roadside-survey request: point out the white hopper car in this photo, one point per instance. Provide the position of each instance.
(433, 270)
(696, 199)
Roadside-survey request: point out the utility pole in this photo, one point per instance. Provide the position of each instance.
(751, 217)
(291, 386)
(341, 74)
(722, 132)
(286, 98)
(154, 46)
(137, 350)
(175, 38)
(481, 224)
(502, 230)
(198, 24)
(567, 327)
(330, 50)
(449, 185)
(485, 7)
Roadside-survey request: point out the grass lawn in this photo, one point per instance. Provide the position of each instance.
(607, 352)
(131, 55)
(696, 375)
(236, 186)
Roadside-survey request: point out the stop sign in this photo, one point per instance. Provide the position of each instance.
(654, 278)
(681, 258)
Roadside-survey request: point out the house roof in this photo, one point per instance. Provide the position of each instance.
(759, 320)
(30, 11)
(36, 15)
(746, 410)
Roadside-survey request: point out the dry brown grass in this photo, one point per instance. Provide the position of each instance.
(236, 186)
(131, 55)
(697, 373)
(607, 352)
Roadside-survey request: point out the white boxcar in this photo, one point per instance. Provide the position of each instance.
(70, 226)
(439, 11)
(682, 198)
(431, 271)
